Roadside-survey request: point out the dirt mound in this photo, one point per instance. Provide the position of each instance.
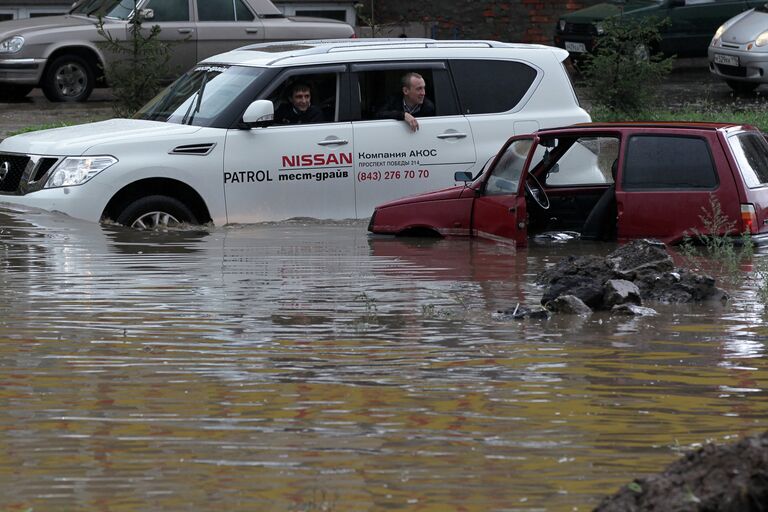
(714, 478)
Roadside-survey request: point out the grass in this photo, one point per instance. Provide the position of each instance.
(756, 116)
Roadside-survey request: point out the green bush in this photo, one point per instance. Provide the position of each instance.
(139, 65)
(623, 72)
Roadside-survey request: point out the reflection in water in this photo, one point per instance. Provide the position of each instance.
(298, 365)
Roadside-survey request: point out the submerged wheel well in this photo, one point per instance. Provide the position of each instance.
(157, 186)
(420, 231)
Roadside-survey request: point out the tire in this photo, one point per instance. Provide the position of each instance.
(156, 212)
(741, 87)
(13, 92)
(68, 78)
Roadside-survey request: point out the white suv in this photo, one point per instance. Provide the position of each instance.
(204, 150)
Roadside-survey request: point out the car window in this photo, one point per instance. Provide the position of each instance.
(487, 86)
(379, 88)
(223, 10)
(751, 153)
(169, 10)
(323, 91)
(668, 162)
(506, 173)
(589, 160)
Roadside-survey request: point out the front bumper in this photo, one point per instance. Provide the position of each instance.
(80, 202)
(750, 66)
(21, 71)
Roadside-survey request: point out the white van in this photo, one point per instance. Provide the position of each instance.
(205, 149)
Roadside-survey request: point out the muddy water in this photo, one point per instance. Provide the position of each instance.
(304, 366)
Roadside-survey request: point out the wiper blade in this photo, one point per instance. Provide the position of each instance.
(197, 102)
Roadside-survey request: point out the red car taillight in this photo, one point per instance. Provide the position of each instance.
(749, 218)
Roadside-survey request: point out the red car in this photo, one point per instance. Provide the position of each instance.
(605, 181)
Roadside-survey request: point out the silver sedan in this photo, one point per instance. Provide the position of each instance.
(738, 52)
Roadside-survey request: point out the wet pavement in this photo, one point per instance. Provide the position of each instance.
(305, 366)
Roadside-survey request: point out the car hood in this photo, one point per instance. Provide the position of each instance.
(43, 23)
(436, 195)
(745, 30)
(599, 12)
(86, 138)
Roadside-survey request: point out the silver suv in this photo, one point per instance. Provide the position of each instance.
(62, 55)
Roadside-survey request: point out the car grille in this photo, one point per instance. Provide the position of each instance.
(20, 174)
(732, 70)
(580, 28)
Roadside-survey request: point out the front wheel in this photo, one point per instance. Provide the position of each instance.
(156, 212)
(68, 78)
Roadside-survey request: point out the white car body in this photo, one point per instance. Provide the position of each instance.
(338, 169)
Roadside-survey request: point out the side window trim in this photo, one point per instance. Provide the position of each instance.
(278, 80)
(404, 65)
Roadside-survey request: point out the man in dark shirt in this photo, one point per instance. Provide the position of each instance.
(412, 104)
(300, 109)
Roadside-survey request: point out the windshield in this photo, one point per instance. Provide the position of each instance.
(118, 9)
(200, 96)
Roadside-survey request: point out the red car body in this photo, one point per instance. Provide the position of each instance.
(606, 181)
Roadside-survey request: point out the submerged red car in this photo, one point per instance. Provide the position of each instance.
(606, 181)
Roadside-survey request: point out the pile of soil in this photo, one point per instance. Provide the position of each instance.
(714, 478)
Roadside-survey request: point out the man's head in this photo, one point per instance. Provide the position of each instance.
(414, 89)
(300, 97)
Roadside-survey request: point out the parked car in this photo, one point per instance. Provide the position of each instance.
(206, 148)
(738, 52)
(690, 28)
(62, 55)
(604, 181)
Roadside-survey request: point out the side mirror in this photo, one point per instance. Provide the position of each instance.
(147, 14)
(462, 176)
(259, 113)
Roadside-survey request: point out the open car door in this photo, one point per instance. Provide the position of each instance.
(499, 212)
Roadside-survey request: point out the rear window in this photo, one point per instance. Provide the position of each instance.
(751, 153)
(488, 86)
(668, 162)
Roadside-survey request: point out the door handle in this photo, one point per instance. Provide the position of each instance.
(456, 135)
(333, 142)
(185, 30)
(251, 30)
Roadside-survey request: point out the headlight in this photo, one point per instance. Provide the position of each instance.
(12, 44)
(599, 29)
(718, 34)
(762, 39)
(77, 170)
(561, 25)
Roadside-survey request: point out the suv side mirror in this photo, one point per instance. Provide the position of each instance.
(259, 113)
(462, 176)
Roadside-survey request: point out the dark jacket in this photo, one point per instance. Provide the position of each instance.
(286, 114)
(393, 109)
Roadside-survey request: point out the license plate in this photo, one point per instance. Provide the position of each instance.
(575, 47)
(726, 60)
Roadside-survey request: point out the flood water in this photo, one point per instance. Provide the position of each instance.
(305, 366)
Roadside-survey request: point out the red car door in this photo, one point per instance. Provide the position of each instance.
(667, 184)
(499, 212)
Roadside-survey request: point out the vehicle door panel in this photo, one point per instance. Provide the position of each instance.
(664, 209)
(502, 215)
(570, 206)
(176, 28)
(221, 30)
(693, 25)
(280, 172)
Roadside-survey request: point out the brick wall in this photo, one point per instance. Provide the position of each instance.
(527, 21)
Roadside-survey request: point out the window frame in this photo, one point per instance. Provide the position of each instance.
(445, 93)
